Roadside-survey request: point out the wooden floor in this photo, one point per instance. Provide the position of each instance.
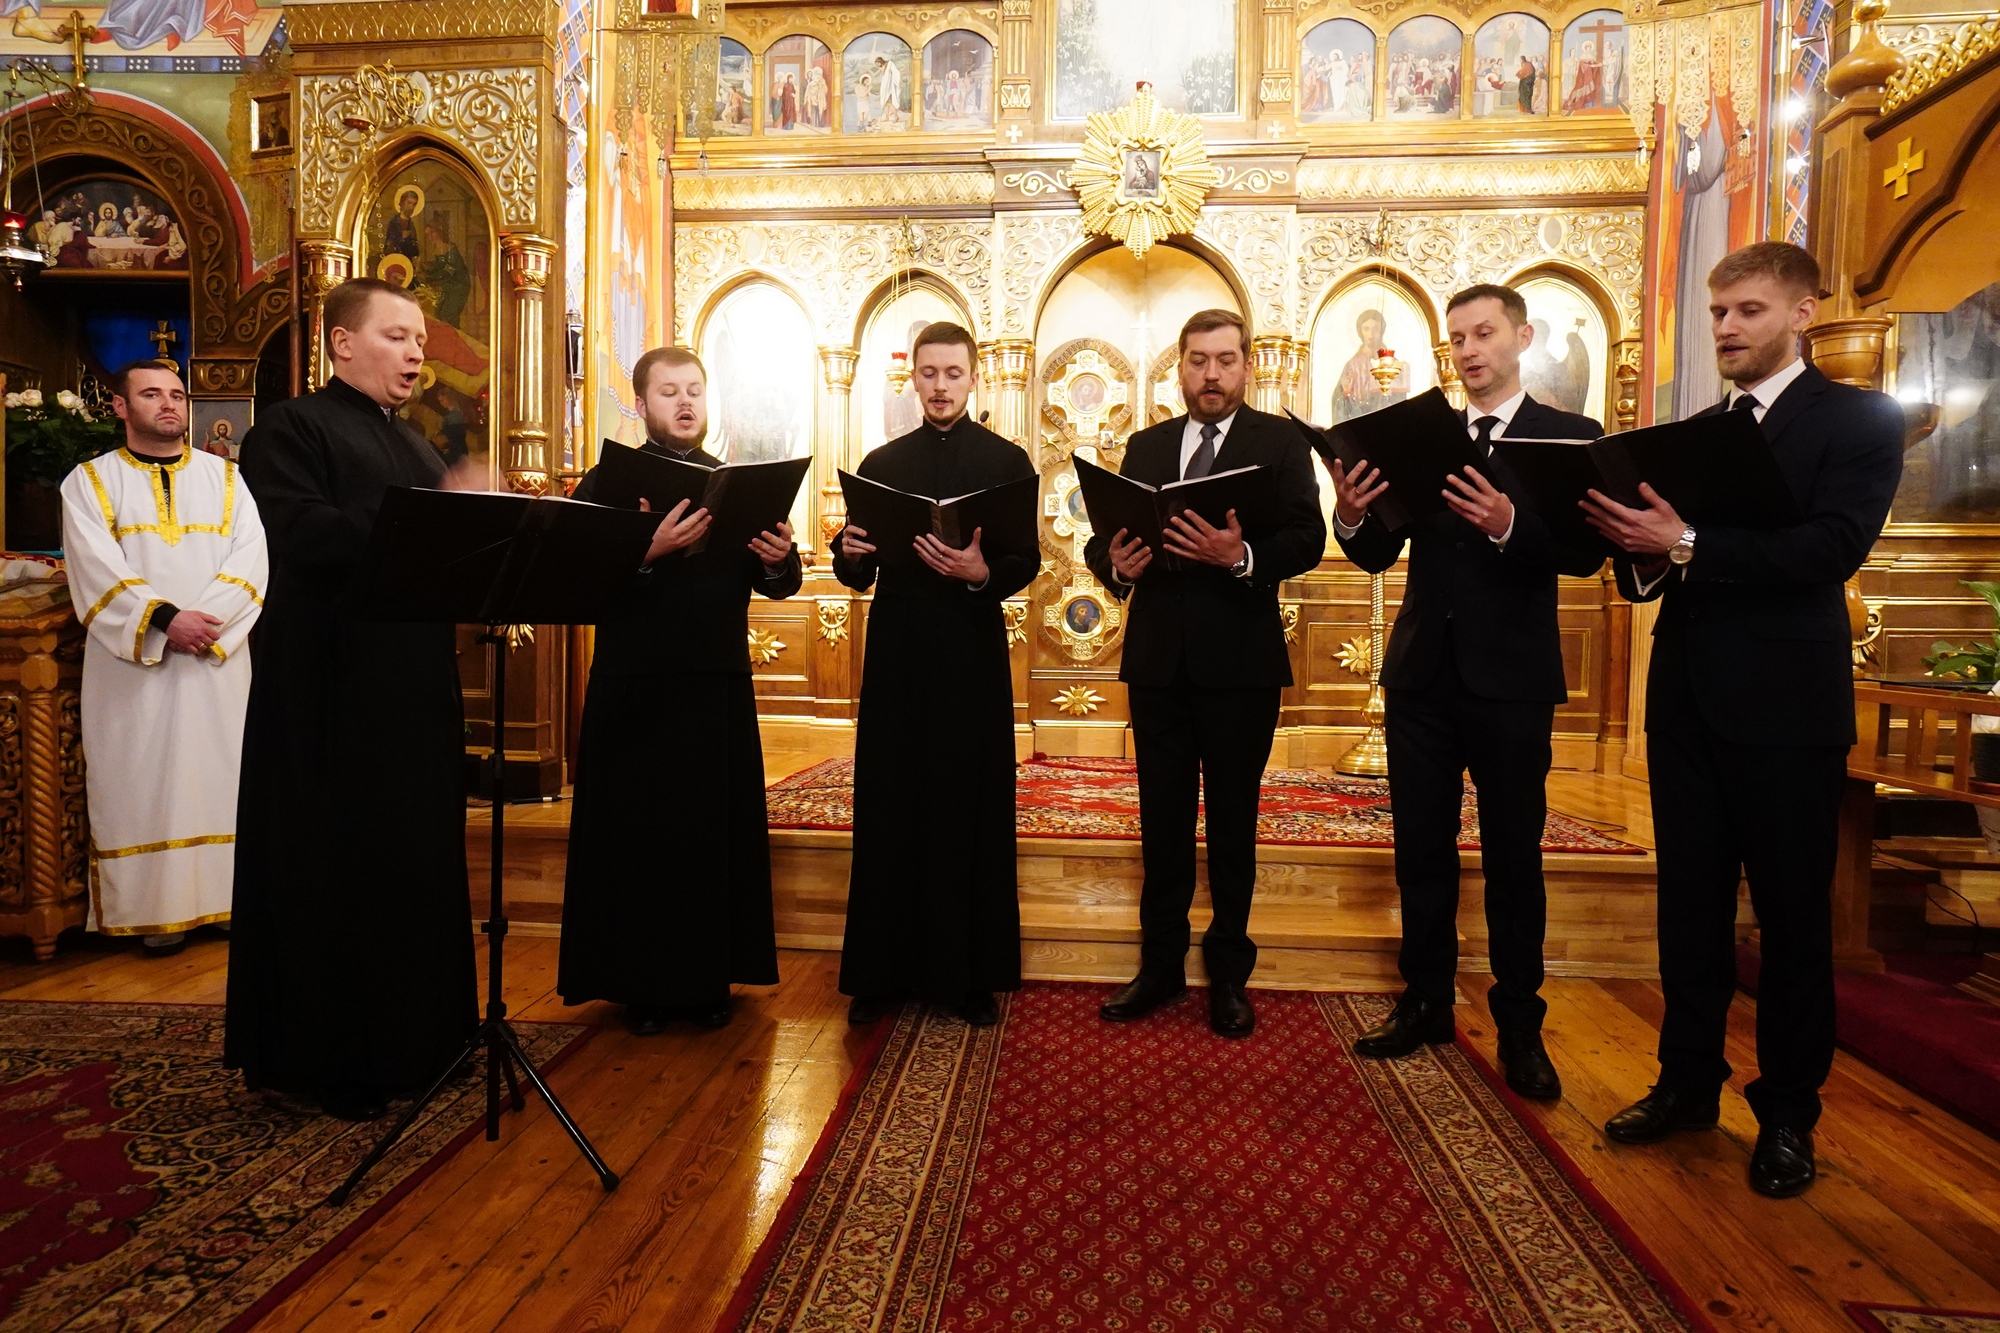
(708, 1129)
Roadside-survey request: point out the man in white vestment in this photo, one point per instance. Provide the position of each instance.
(167, 571)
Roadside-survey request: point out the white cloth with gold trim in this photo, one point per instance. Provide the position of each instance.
(162, 731)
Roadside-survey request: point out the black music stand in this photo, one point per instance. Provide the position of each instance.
(495, 560)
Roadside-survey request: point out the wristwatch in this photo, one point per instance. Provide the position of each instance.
(1241, 567)
(1682, 551)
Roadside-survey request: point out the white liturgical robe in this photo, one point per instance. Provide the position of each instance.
(162, 731)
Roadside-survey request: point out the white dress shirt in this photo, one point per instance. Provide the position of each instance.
(1506, 413)
(1765, 394)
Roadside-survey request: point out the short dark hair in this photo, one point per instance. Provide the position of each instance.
(946, 334)
(642, 369)
(121, 383)
(1509, 299)
(1791, 266)
(346, 305)
(1205, 321)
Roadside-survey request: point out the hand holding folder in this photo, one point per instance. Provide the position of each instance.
(1416, 445)
(1147, 513)
(743, 500)
(1003, 516)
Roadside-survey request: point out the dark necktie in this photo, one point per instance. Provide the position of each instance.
(1204, 454)
(1486, 426)
(1746, 402)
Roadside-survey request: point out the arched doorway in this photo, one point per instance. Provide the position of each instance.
(1107, 341)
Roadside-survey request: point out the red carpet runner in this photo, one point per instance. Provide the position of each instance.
(1099, 798)
(1059, 1173)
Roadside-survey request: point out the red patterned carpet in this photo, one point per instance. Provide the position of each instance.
(1099, 798)
(1059, 1173)
(1917, 1319)
(142, 1188)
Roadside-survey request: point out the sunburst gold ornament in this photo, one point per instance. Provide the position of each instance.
(1143, 173)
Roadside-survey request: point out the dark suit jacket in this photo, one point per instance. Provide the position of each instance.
(687, 612)
(1758, 620)
(1490, 610)
(1227, 628)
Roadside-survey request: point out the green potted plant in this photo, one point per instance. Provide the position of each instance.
(1977, 662)
(44, 441)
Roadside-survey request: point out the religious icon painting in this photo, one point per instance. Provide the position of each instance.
(270, 124)
(1510, 67)
(220, 425)
(1337, 72)
(1595, 55)
(1348, 339)
(1422, 77)
(108, 226)
(760, 393)
(1185, 48)
(958, 81)
(799, 99)
(1140, 178)
(1951, 360)
(735, 91)
(1565, 363)
(875, 71)
(428, 231)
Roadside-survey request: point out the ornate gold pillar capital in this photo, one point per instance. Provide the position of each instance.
(1849, 350)
(1448, 379)
(1007, 365)
(837, 365)
(1268, 355)
(1627, 357)
(323, 265)
(837, 443)
(525, 262)
(1017, 69)
(1276, 85)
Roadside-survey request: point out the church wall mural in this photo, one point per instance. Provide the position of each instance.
(1564, 365)
(958, 82)
(875, 84)
(1510, 67)
(1424, 72)
(1187, 48)
(1337, 72)
(799, 76)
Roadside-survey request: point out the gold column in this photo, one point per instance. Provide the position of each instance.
(525, 260)
(837, 446)
(1295, 369)
(323, 265)
(1448, 379)
(1626, 359)
(1006, 366)
(1268, 355)
(1017, 66)
(1281, 45)
(1846, 344)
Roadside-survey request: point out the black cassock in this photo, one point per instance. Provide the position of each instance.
(668, 896)
(351, 952)
(931, 903)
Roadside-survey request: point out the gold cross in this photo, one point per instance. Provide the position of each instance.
(1906, 164)
(162, 337)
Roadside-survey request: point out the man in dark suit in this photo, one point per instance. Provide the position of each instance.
(1204, 663)
(1473, 675)
(1749, 716)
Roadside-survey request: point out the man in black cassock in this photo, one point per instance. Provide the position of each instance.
(931, 904)
(351, 961)
(668, 896)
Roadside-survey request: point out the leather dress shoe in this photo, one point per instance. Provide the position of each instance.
(1229, 1011)
(1414, 1023)
(979, 1009)
(1139, 997)
(354, 1103)
(1782, 1166)
(713, 1016)
(1530, 1072)
(866, 1009)
(1659, 1113)
(645, 1020)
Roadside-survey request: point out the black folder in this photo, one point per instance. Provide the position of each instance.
(1715, 469)
(893, 519)
(1114, 501)
(477, 557)
(744, 500)
(1416, 443)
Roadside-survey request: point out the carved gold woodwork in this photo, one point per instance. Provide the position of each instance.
(1006, 366)
(1937, 66)
(833, 621)
(224, 376)
(1447, 375)
(323, 265)
(1082, 619)
(387, 22)
(525, 262)
(1849, 350)
(44, 822)
(1276, 85)
(1087, 386)
(491, 116)
(836, 444)
(788, 191)
(1627, 359)
(1343, 180)
(1015, 613)
(1270, 357)
(765, 647)
(1077, 701)
(1142, 173)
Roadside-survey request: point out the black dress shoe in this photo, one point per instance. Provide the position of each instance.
(1530, 1072)
(1139, 997)
(1782, 1166)
(357, 1105)
(1229, 1011)
(979, 1009)
(1414, 1023)
(712, 1016)
(867, 1009)
(1659, 1113)
(645, 1020)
